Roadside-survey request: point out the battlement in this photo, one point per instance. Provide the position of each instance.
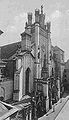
(39, 18)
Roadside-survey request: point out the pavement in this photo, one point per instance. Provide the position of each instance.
(64, 113)
(52, 115)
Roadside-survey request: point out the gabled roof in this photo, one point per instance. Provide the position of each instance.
(3, 109)
(14, 56)
(8, 50)
(58, 48)
(5, 112)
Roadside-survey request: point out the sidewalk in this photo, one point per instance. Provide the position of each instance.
(58, 107)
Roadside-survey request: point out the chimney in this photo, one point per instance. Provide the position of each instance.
(30, 18)
(37, 15)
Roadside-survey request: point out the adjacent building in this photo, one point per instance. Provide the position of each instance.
(60, 65)
(66, 76)
(58, 69)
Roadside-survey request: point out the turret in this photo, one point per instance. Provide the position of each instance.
(29, 18)
(29, 23)
(48, 26)
(42, 18)
(37, 15)
(25, 41)
(41, 9)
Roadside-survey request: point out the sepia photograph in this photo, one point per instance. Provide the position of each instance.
(34, 59)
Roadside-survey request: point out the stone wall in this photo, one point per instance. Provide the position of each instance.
(7, 85)
(28, 62)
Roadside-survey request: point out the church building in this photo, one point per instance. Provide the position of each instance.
(24, 60)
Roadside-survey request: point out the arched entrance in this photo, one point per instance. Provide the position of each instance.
(27, 78)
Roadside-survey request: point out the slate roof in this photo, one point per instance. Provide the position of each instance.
(3, 109)
(5, 112)
(57, 48)
(8, 50)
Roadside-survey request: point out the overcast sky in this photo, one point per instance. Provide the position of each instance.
(13, 15)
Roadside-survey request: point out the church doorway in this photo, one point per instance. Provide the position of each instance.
(27, 79)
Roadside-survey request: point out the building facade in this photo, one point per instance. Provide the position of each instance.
(25, 61)
(28, 66)
(66, 76)
(58, 68)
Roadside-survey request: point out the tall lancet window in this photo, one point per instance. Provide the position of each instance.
(27, 79)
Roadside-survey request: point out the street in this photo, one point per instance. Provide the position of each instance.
(61, 110)
(64, 114)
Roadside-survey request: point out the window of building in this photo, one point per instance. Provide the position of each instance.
(65, 75)
(62, 57)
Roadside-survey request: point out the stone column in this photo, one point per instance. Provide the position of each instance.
(47, 98)
(58, 88)
(47, 90)
(26, 115)
(37, 48)
(30, 116)
(58, 81)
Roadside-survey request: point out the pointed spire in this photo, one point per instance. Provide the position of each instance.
(41, 9)
(29, 18)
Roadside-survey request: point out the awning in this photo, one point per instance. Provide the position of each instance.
(23, 106)
(24, 99)
(8, 113)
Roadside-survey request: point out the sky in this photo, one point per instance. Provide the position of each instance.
(13, 15)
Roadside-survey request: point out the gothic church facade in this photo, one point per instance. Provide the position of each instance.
(25, 59)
